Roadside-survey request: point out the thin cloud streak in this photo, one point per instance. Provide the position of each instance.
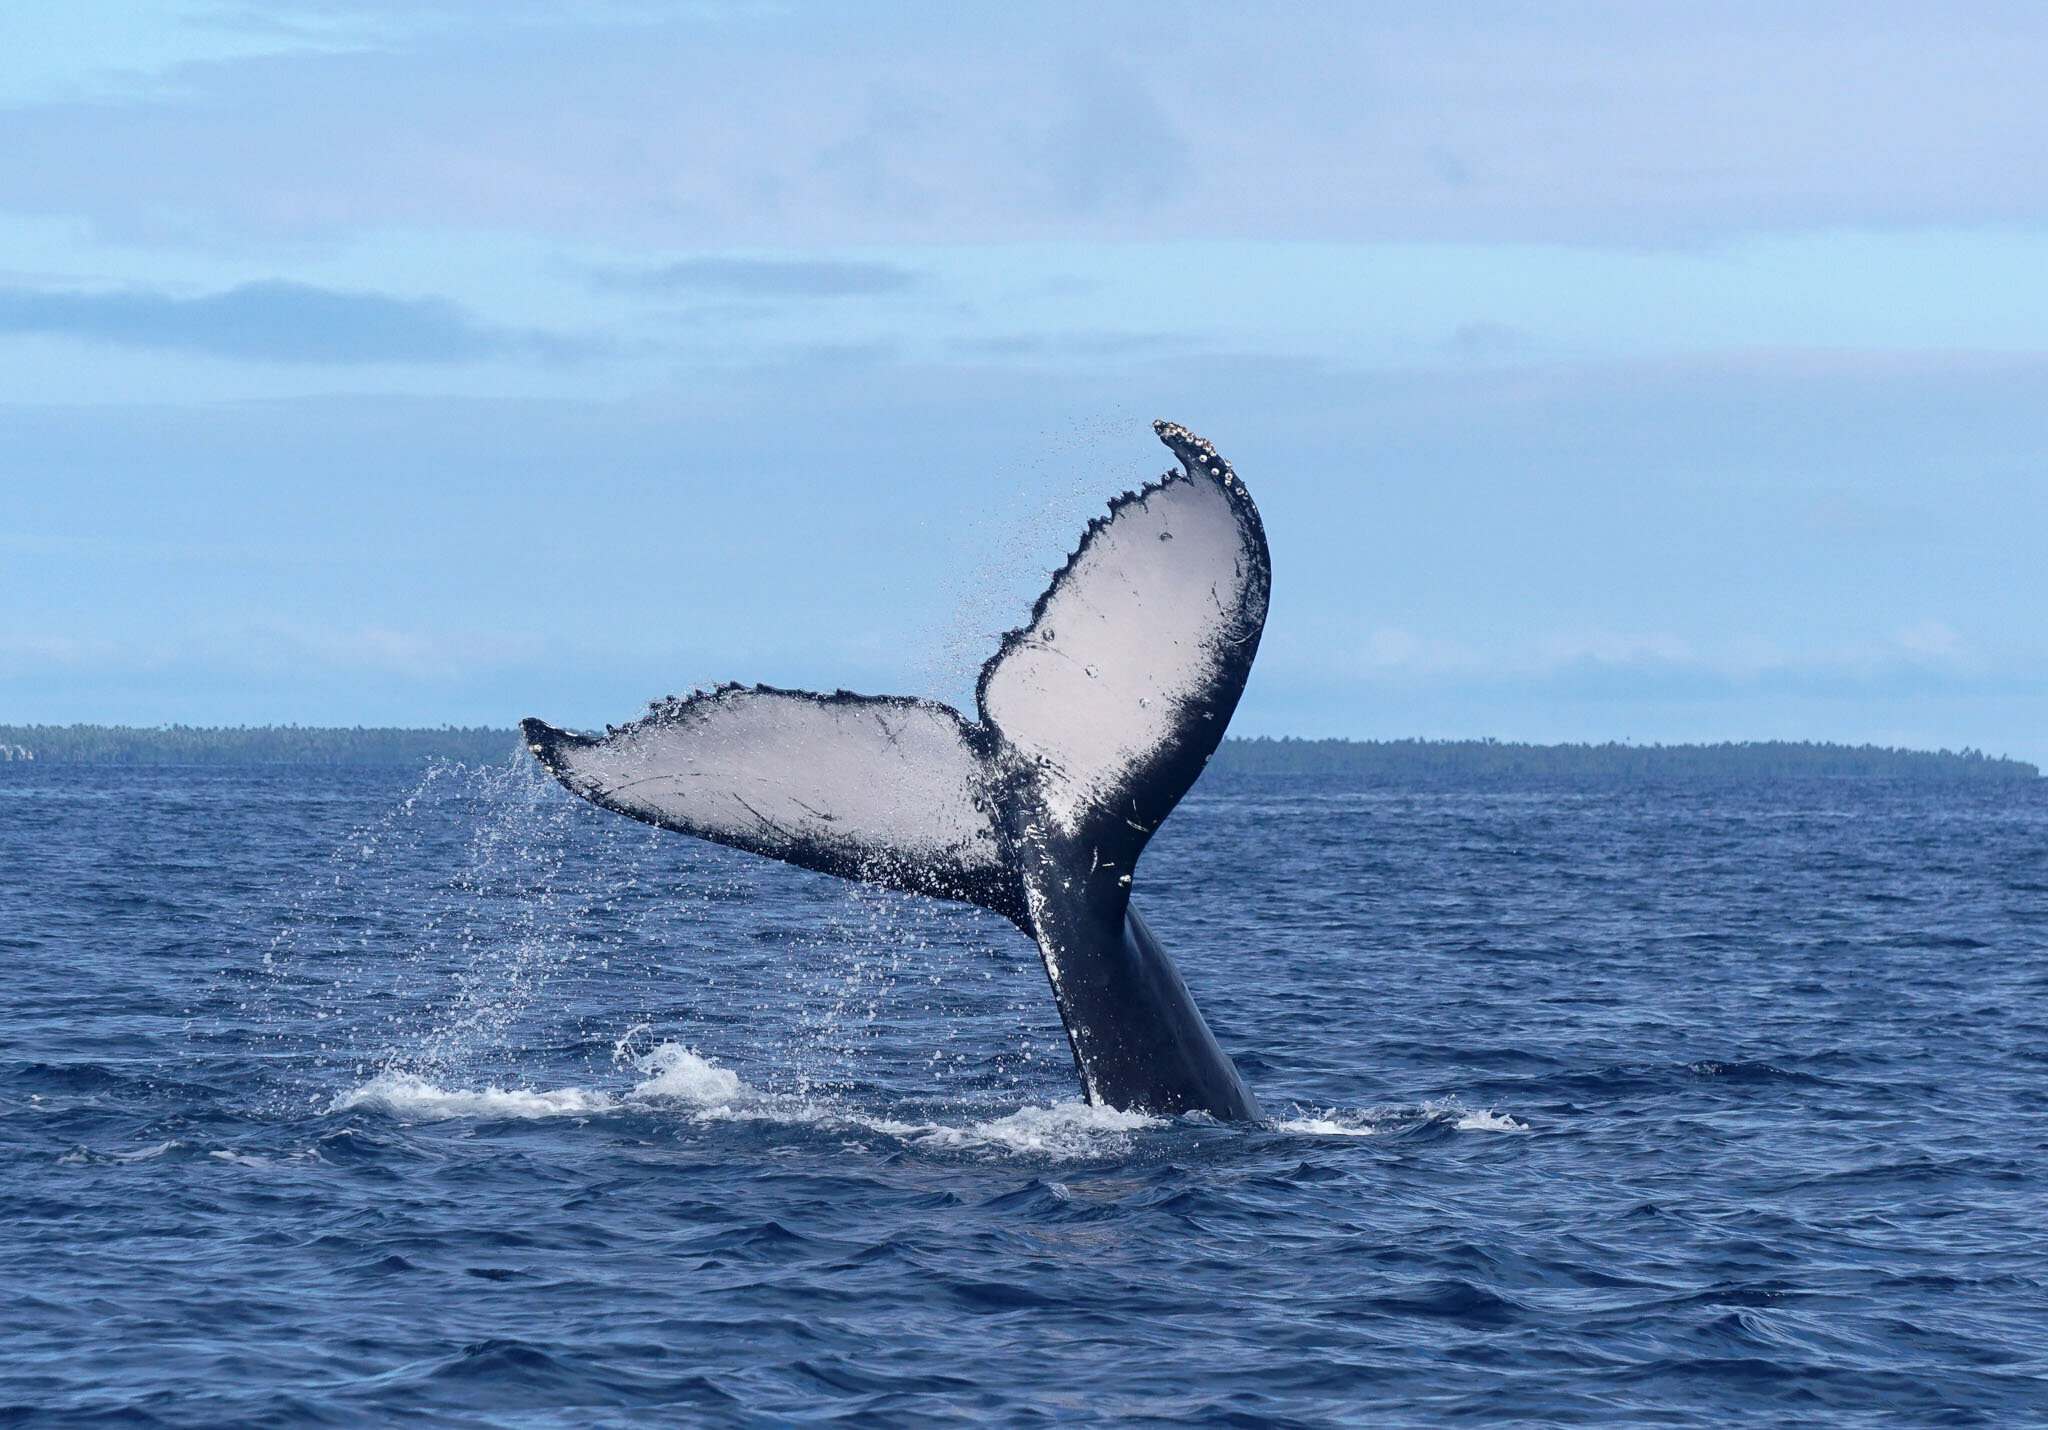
(266, 321)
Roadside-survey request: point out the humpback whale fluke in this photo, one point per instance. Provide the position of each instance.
(1095, 718)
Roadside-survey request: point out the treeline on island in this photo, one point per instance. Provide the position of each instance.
(1754, 759)
(1375, 759)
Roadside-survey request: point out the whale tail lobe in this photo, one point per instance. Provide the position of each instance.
(1094, 719)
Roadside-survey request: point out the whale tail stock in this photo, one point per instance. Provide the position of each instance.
(1094, 719)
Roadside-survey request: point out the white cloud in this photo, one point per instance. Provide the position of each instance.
(1930, 640)
(749, 124)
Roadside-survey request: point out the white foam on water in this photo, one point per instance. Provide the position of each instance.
(1065, 1129)
(1333, 1124)
(414, 1099)
(678, 1080)
(1376, 1121)
(1490, 1121)
(682, 1079)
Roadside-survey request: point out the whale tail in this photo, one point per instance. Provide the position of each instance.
(1094, 719)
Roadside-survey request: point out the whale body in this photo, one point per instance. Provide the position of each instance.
(1095, 718)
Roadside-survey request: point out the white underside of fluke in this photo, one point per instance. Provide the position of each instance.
(1129, 644)
(774, 770)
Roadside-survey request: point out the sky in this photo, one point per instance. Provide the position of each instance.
(1603, 371)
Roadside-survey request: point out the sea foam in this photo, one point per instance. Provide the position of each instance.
(1377, 1121)
(678, 1080)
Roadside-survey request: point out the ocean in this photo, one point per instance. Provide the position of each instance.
(381, 1095)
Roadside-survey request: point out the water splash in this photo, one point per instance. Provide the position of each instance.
(433, 936)
(488, 929)
(1026, 527)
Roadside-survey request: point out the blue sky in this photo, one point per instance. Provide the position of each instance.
(1603, 370)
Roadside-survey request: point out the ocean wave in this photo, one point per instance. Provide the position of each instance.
(81, 1156)
(1381, 1121)
(1490, 1121)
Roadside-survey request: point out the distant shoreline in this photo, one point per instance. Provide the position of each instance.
(1387, 759)
(1754, 759)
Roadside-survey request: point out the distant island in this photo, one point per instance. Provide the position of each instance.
(1753, 759)
(1373, 759)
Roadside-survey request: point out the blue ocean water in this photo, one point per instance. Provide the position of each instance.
(367, 1096)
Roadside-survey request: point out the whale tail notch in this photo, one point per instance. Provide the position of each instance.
(1095, 717)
